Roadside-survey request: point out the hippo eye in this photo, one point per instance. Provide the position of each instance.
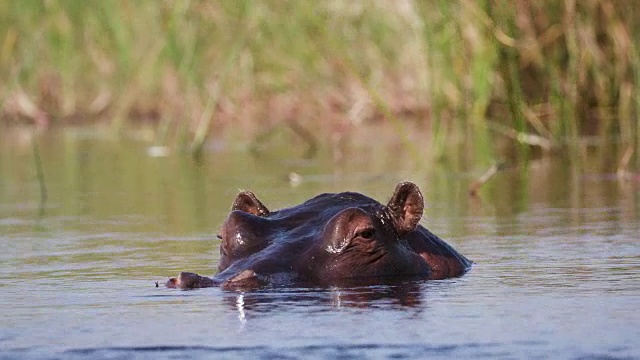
(219, 236)
(367, 233)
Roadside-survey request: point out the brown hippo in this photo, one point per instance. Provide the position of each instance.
(326, 240)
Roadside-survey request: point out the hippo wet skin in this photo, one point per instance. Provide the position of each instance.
(326, 240)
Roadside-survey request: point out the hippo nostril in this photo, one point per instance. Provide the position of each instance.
(243, 234)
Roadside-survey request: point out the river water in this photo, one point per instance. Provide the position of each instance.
(556, 248)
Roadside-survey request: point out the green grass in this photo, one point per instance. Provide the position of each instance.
(472, 72)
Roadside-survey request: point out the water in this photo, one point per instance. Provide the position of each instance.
(556, 250)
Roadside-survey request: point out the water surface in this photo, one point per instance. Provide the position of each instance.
(556, 250)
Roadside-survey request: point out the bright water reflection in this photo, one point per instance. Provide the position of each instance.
(557, 255)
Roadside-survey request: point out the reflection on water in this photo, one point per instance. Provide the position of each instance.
(240, 306)
(555, 246)
(400, 295)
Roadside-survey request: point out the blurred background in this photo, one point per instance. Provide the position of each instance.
(128, 127)
(472, 82)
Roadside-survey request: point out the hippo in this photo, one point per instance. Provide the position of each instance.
(331, 238)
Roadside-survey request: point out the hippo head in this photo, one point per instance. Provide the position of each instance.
(328, 239)
(368, 241)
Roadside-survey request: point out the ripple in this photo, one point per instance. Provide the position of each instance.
(343, 351)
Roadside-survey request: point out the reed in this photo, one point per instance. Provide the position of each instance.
(37, 160)
(556, 70)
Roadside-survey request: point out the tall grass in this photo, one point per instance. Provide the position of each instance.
(550, 74)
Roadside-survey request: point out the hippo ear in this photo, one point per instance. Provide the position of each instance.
(246, 201)
(406, 206)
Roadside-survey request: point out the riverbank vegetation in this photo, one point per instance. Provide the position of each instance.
(497, 77)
